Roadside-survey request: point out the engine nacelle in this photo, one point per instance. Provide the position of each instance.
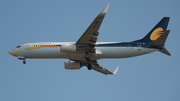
(66, 48)
(72, 65)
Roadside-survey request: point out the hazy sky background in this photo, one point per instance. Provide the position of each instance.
(151, 77)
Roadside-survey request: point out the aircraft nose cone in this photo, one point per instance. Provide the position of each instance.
(11, 52)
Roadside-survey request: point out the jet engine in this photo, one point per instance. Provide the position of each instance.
(72, 65)
(66, 48)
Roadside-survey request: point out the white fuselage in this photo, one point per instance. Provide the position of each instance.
(52, 50)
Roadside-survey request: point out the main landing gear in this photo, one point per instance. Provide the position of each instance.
(87, 57)
(89, 66)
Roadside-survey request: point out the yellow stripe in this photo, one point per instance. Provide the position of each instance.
(35, 47)
(16, 53)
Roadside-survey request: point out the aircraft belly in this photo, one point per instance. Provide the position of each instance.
(122, 52)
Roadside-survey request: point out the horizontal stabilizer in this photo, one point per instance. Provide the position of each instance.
(161, 40)
(165, 51)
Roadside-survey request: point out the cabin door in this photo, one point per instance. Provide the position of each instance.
(138, 46)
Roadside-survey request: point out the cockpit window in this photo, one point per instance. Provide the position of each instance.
(18, 46)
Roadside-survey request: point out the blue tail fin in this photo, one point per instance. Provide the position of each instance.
(156, 32)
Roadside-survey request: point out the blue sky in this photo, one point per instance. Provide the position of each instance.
(151, 77)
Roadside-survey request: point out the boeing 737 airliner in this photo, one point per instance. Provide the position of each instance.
(86, 51)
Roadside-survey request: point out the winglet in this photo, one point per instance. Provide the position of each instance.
(115, 71)
(105, 9)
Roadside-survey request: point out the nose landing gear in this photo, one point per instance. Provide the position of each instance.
(22, 58)
(24, 61)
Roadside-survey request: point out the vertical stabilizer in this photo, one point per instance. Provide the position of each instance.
(156, 32)
(161, 42)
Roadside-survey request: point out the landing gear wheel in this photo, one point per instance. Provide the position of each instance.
(89, 66)
(24, 62)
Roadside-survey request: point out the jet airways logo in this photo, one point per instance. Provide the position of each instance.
(156, 33)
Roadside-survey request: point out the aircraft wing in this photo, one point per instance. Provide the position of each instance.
(90, 36)
(97, 67)
(88, 40)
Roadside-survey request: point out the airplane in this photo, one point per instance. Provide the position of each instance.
(86, 51)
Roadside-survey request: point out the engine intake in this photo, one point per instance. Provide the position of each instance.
(72, 65)
(66, 48)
